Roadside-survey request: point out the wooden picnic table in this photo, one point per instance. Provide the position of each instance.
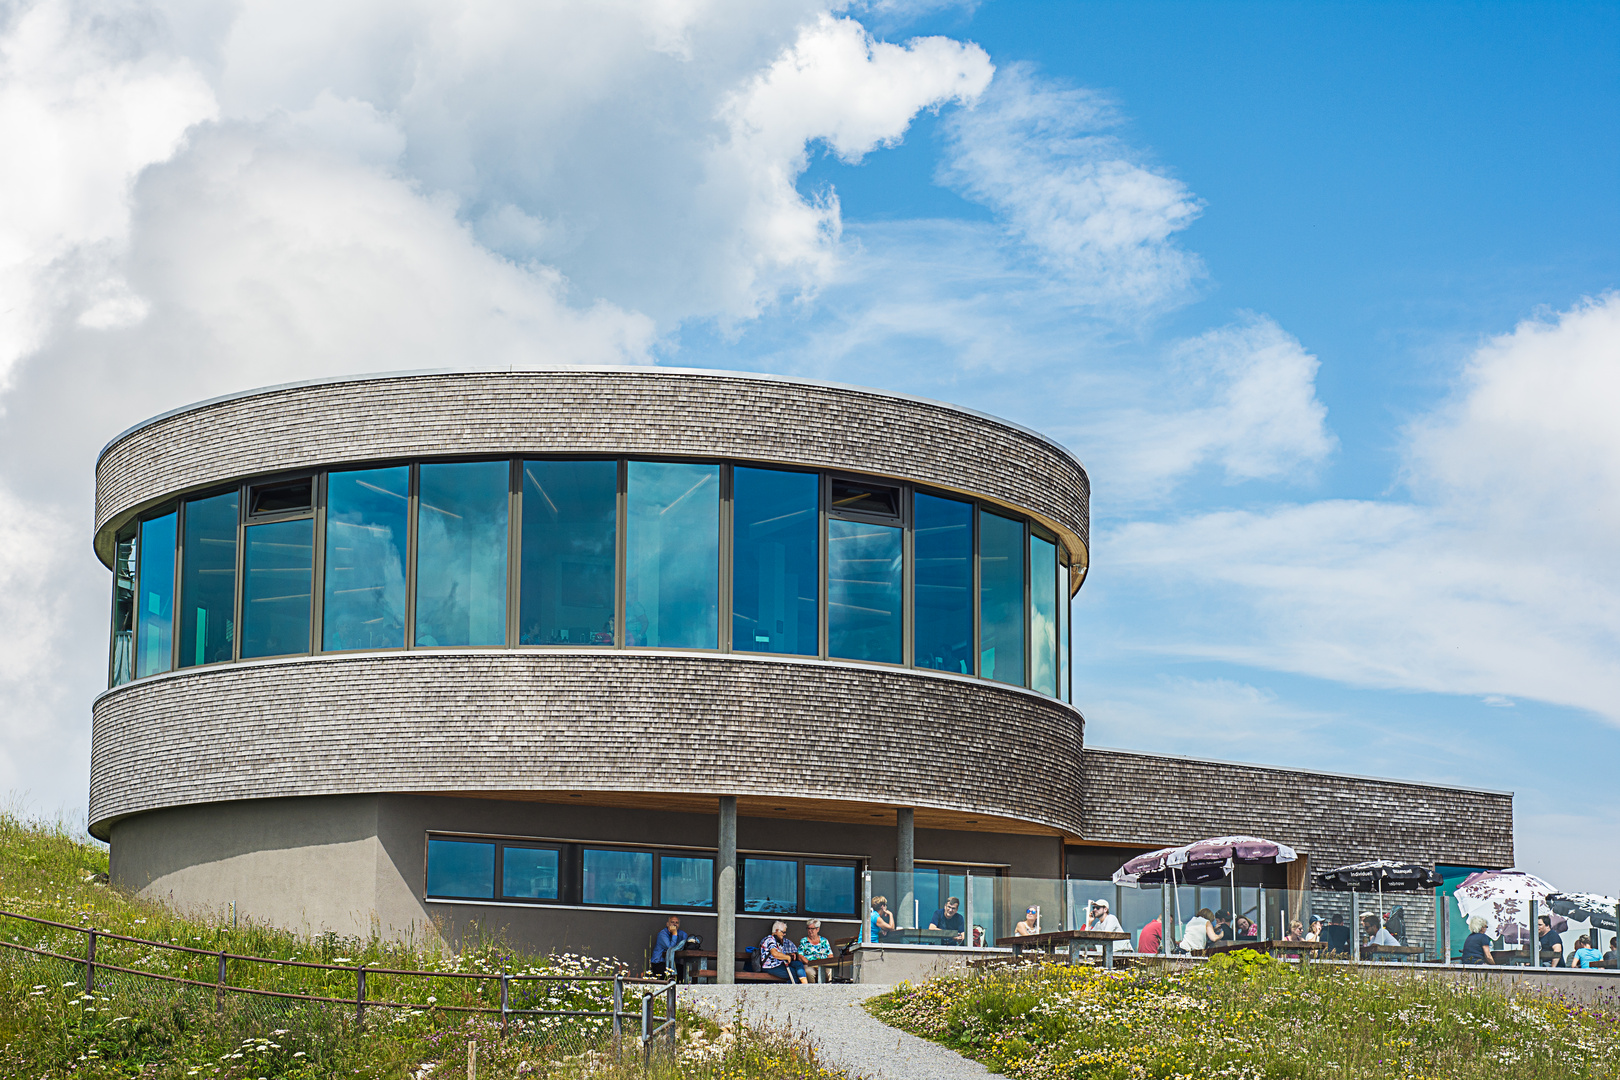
(1400, 951)
(1271, 947)
(1072, 938)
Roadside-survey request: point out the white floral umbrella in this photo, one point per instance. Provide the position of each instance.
(1502, 897)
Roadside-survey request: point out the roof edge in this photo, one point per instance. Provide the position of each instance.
(1294, 769)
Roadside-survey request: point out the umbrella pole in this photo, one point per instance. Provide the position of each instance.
(1355, 925)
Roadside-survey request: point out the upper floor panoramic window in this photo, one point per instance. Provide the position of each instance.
(593, 553)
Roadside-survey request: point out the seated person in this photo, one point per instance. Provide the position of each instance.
(1196, 936)
(1612, 957)
(1550, 942)
(1220, 928)
(1396, 923)
(1296, 931)
(1100, 918)
(779, 957)
(1336, 936)
(882, 920)
(1476, 946)
(813, 946)
(670, 939)
(1151, 939)
(1373, 933)
(1313, 931)
(1246, 929)
(1031, 923)
(950, 918)
(1584, 955)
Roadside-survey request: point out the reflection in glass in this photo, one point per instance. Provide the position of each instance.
(943, 547)
(1064, 614)
(859, 497)
(685, 882)
(863, 591)
(618, 878)
(672, 570)
(461, 554)
(123, 617)
(774, 527)
(1001, 599)
(570, 518)
(529, 873)
(829, 890)
(460, 868)
(208, 581)
(1043, 615)
(276, 588)
(363, 604)
(770, 885)
(155, 613)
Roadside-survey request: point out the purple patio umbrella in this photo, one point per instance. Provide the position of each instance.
(1502, 898)
(1201, 861)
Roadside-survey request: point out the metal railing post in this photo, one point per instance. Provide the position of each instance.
(1535, 938)
(360, 997)
(506, 999)
(1355, 925)
(219, 990)
(866, 911)
(669, 1012)
(618, 1006)
(90, 964)
(1261, 933)
(1167, 928)
(1445, 931)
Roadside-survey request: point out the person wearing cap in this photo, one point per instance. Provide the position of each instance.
(1101, 919)
(1313, 928)
(1031, 923)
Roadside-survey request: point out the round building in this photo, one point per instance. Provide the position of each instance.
(560, 652)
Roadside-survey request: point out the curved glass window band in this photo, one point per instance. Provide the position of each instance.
(155, 611)
(123, 614)
(863, 591)
(278, 568)
(363, 601)
(672, 569)
(774, 561)
(1001, 598)
(566, 575)
(943, 548)
(1043, 621)
(208, 581)
(461, 554)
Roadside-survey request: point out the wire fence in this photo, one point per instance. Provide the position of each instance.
(577, 1011)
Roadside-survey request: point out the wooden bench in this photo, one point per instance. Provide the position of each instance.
(1072, 938)
(1410, 953)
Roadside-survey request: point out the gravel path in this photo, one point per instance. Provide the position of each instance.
(845, 1033)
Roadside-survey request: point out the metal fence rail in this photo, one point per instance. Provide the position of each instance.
(222, 986)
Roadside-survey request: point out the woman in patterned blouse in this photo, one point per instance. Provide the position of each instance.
(813, 946)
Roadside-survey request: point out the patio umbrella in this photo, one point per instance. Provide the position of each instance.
(1380, 876)
(1598, 911)
(1502, 898)
(1201, 861)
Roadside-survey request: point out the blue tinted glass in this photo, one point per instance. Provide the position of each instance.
(770, 885)
(276, 587)
(570, 521)
(1064, 612)
(461, 868)
(774, 527)
(926, 894)
(685, 882)
(155, 609)
(943, 545)
(829, 890)
(529, 873)
(1043, 629)
(363, 604)
(672, 572)
(208, 581)
(461, 554)
(123, 618)
(619, 878)
(1001, 599)
(863, 591)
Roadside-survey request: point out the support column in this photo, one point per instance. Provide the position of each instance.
(905, 865)
(725, 901)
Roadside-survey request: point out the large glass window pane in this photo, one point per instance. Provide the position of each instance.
(208, 581)
(570, 522)
(1043, 615)
(1065, 612)
(461, 554)
(672, 573)
(529, 873)
(770, 885)
(1001, 599)
(619, 878)
(460, 868)
(829, 890)
(943, 547)
(123, 616)
(685, 882)
(363, 601)
(155, 612)
(277, 568)
(863, 591)
(774, 592)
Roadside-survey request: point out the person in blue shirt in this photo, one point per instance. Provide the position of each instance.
(1584, 955)
(1477, 946)
(670, 940)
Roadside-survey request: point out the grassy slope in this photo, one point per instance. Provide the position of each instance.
(1251, 1017)
(50, 1028)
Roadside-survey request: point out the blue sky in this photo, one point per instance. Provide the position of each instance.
(1321, 294)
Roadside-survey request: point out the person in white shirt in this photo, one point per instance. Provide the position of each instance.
(1375, 933)
(1196, 936)
(1102, 919)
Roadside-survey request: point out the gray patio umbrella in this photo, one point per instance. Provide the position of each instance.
(1598, 911)
(1378, 876)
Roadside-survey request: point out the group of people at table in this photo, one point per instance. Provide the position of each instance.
(778, 955)
(1477, 947)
